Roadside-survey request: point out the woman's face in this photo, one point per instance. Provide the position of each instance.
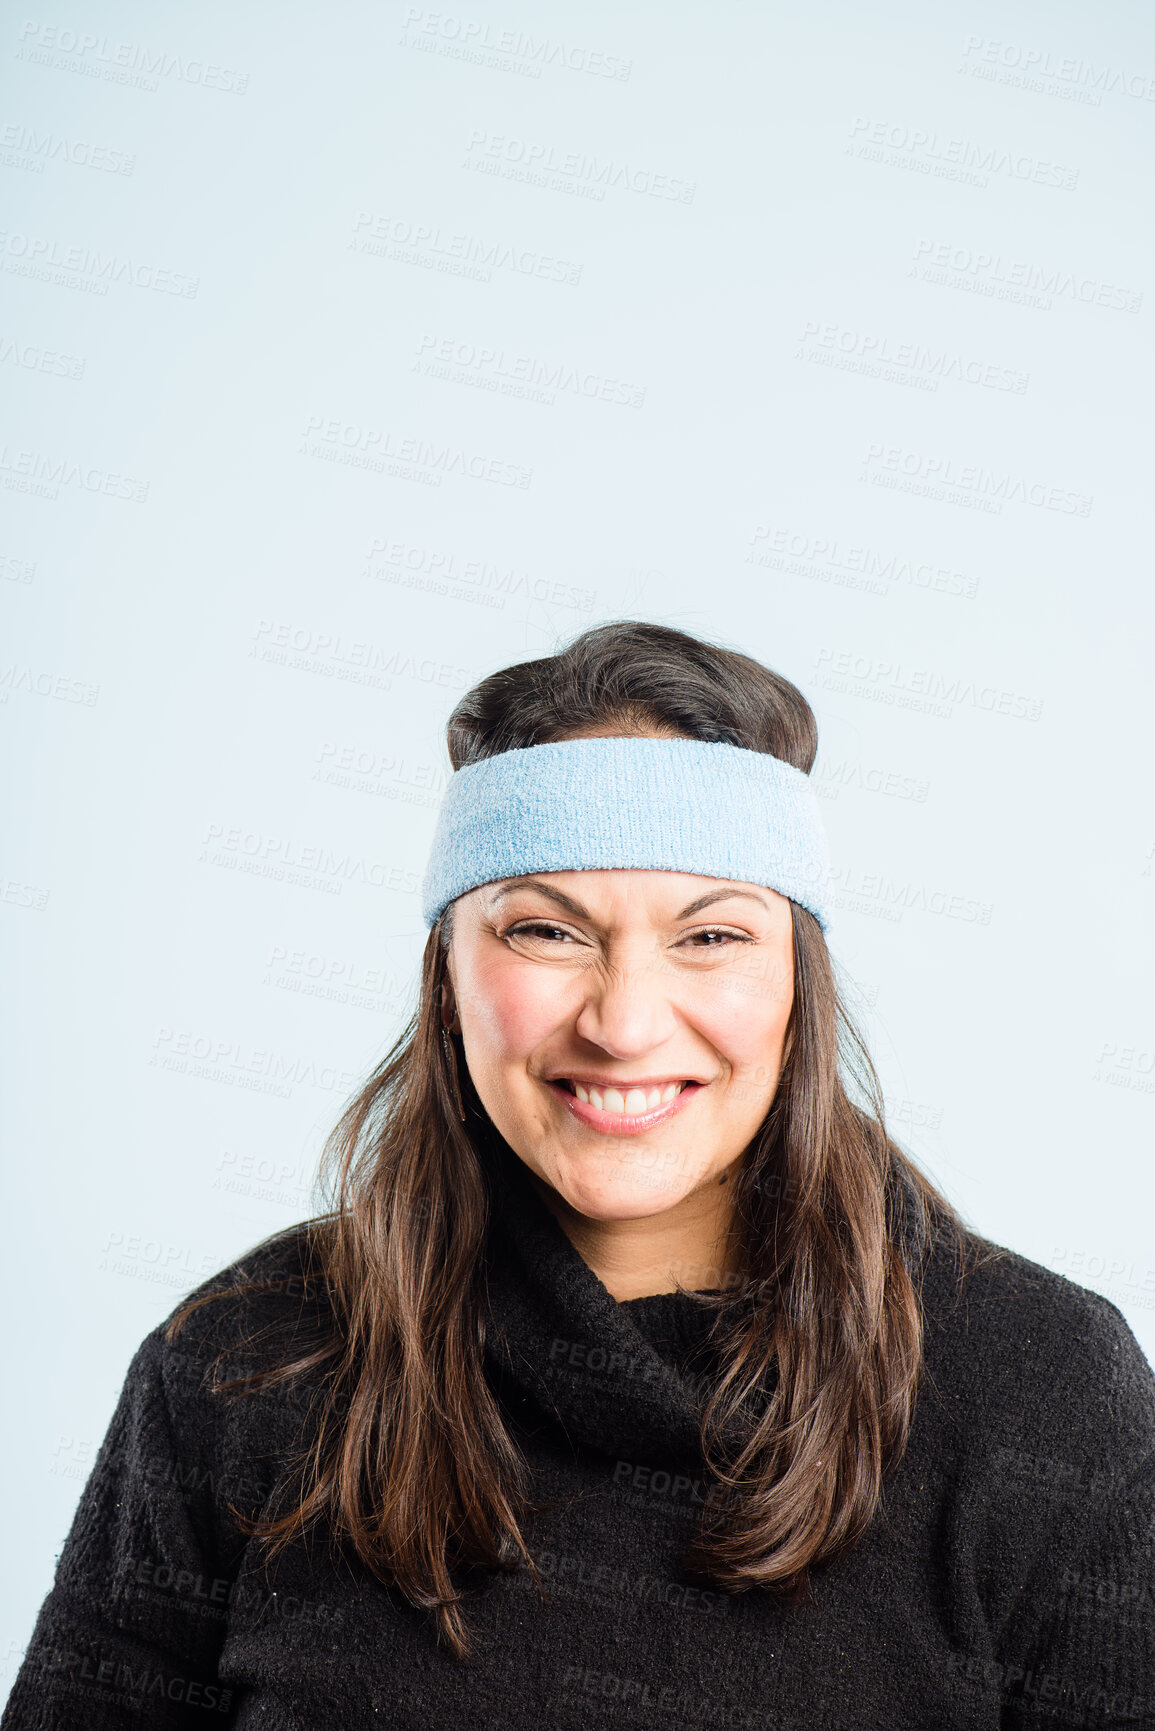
(623, 985)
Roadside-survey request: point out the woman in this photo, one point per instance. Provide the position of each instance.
(634, 1376)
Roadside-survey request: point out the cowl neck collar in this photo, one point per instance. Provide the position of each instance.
(581, 1358)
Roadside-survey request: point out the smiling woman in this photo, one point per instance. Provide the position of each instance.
(583, 1038)
(635, 1375)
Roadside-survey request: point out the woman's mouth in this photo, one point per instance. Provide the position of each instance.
(624, 1111)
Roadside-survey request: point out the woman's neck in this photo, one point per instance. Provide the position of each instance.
(685, 1246)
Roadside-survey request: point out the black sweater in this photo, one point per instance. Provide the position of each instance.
(1007, 1581)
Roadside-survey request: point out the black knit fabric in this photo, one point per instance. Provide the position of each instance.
(1007, 1581)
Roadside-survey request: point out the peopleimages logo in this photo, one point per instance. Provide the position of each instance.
(120, 62)
(1017, 280)
(893, 682)
(110, 1677)
(357, 659)
(571, 170)
(830, 776)
(827, 559)
(505, 50)
(1033, 65)
(458, 254)
(34, 472)
(35, 359)
(311, 867)
(80, 267)
(519, 375)
(877, 355)
(220, 1060)
(952, 158)
(879, 896)
(943, 478)
(36, 148)
(38, 682)
(440, 571)
(384, 452)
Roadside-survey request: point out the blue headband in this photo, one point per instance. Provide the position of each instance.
(682, 805)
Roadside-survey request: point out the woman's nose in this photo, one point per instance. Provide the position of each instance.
(627, 1008)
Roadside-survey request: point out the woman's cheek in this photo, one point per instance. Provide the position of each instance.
(741, 1013)
(516, 1007)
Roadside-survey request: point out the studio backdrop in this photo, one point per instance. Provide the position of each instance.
(352, 352)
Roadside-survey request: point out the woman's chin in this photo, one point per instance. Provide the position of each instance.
(621, 1195)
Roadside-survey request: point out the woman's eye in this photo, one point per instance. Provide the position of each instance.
(715, 937)
(533, 929)
(715, 932)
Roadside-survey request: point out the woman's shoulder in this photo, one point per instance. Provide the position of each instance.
(973, 1282)
(1021, 1350)
(287, 1263)
(267, 1307)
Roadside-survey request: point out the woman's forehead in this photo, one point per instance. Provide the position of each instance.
(679, 893)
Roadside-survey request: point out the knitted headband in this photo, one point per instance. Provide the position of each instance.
(682, 805)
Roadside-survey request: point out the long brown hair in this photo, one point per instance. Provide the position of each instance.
(411, 1462)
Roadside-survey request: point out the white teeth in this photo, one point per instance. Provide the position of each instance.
(630, 1104)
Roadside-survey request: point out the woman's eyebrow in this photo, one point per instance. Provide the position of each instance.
(576, 908)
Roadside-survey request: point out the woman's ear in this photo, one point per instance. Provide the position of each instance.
(449, 1009)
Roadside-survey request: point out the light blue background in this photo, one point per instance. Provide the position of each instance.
(185, 673)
